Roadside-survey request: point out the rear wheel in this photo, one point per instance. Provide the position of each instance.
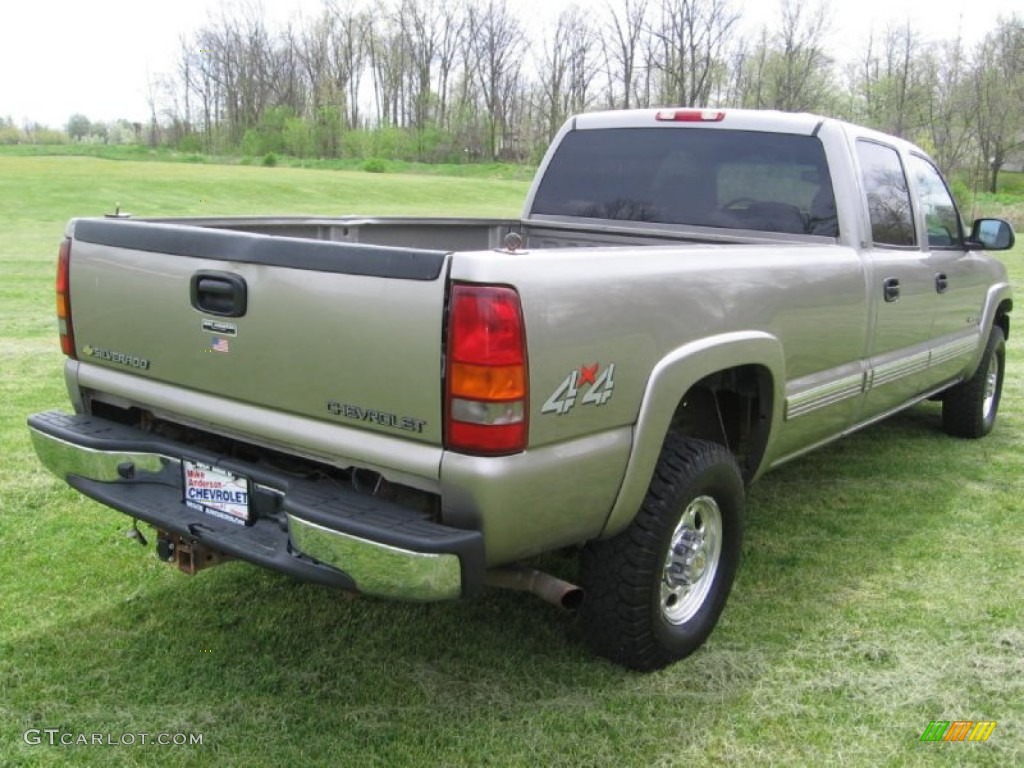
(655, 591)
(969, 409)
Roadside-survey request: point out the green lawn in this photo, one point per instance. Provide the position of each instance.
(880, 590)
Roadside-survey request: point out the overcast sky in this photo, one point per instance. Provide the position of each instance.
(96, 57)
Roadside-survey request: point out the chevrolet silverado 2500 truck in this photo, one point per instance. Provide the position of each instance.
(413, 408)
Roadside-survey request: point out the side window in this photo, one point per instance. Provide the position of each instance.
(892, 219)
(940, 215)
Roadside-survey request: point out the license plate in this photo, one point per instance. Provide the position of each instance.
(216, 492)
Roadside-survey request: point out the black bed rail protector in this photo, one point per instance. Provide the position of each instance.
(315, 255)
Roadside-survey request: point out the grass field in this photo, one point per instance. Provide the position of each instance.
(880, 587)
(143, 153)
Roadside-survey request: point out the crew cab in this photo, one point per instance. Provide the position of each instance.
(413, 408)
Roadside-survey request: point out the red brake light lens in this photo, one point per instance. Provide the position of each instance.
(486, 384)
(67, 333)
(486, 326)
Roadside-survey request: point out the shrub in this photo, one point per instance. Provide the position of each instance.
(9, 135)
(298, 137)
(375, 165)
(355, 144)
(190, 143)
(251, 143)
(270, 160)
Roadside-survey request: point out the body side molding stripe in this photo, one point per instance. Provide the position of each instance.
(824, 395)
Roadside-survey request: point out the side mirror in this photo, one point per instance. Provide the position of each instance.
(992, 235)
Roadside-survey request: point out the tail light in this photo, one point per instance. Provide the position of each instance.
(486, 383)
(67, 331)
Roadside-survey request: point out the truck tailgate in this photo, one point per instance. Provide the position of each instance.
(346, 333)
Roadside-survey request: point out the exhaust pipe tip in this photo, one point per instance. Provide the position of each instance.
(548, 588)
(572, 599)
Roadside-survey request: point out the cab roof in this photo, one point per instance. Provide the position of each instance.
(733, 119)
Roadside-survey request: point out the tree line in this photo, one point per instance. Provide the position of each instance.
(458, 80)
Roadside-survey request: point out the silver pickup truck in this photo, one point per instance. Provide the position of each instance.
(414, 408)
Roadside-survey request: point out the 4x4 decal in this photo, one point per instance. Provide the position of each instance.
(601, 385)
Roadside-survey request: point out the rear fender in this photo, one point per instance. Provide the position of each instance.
(673, 376)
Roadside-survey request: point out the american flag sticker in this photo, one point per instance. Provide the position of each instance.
(219, 345)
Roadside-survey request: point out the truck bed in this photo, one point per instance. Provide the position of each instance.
(471, 234)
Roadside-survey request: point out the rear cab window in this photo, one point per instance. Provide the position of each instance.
(770, 182)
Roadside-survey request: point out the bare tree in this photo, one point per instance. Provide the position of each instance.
(796, 76)
(349, 53)
(239, 58)
(421, 24)
(250, 51)
(894, 81)
(690, 59)
(286, 72)
(314, 55)
(498, 43)
(566, 69)
(198, 70)
(950, 106)
(449, 45)
(623, 41)
(387, 59)
(152, 101)
(750, 72)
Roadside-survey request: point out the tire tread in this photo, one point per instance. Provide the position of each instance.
(620, 614)
(962, 414)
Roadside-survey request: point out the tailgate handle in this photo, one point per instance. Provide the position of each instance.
(219, 293)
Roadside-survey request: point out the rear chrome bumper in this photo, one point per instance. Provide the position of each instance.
(313, 530)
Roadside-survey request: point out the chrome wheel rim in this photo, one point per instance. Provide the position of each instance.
(991, 381)
(691, 562)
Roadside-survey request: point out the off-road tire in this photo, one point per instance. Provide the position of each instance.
(969, 409)
(646, 607)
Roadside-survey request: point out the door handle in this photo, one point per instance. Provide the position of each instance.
(941, 282)
(891, 289)
(219, 293)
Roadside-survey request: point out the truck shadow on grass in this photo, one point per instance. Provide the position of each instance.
(258, 660)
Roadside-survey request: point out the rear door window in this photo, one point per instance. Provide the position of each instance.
(888, 196)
